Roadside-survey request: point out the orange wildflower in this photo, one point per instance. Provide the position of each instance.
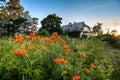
(48, 40)
(22, 53)
(16, 53)
(65, 62)
(65, 46)
(32, 35)
(18, 39)
(31, 47)
(55, 33)
(87, 70)
(24, 40)
(58, 61)
(52, 37)
(84, 55)
(76, 77)
(68, 51)
(93, 66)
(65, 72)
(59, 39)
(37, 39)
(19, 53)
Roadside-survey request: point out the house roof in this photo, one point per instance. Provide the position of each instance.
(73, 27)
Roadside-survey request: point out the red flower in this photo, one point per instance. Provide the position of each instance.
(58, 61)
(87, 70)
(93, 66)
(76, 77)
(19, 53)
(22, 53)
(65, 46)
(31, 47)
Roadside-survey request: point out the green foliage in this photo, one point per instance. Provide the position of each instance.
(113, 40)
(97, 28)
(10, 17)
(39, 63)
(52, 23)
(13, 27)
(43, 32)
(74, 34)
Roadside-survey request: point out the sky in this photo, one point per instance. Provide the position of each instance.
(89, 11)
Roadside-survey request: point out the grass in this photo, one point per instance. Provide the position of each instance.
(57, 58)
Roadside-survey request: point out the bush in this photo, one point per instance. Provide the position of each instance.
(113, 40)
(73, 34)
(43, 32)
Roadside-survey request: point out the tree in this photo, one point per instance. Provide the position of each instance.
(98, 29)
(14, 9)
(52, 23)
(10, 17)
(114, 32)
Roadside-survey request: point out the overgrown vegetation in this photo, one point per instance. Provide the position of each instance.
(55, 58)
(113, 40)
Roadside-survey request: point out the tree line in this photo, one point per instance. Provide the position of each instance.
(11, 20)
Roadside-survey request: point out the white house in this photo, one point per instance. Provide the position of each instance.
(76, 26)
(79, 27)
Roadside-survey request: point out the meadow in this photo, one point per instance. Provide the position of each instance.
(57, 58)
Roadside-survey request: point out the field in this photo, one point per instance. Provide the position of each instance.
(57, 58)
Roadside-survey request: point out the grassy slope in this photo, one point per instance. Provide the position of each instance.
(76, 45)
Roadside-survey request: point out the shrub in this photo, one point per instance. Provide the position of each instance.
(113, 40)
(43, 32)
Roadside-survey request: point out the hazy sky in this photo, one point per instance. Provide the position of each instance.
(89, 11)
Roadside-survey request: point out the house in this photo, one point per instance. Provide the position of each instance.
(80, 27)
(75, 27)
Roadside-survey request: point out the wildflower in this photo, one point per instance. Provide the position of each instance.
(84, 55)
(48, 40)
(32, 35)
(18, 39)
(37, 39)
(87, 70)
(63, 61)
(22, 53)
(19, 53)
(52, 37)
(58, 61)
(65, 72)
(16, 53)
(93, 66)
(59, 39)
(55, 33)
(24, 40)
(65, 46)
(76, 77)
(31, 47)
(68, 51)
